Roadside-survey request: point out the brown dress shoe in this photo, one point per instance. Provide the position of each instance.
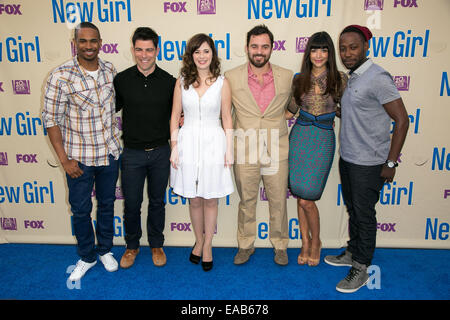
(159, 257)
(128, 258)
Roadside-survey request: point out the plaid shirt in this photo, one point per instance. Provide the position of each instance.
(84, 110)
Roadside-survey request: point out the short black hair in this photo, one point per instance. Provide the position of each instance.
(258, 30)
(145, 33)
(86, 25)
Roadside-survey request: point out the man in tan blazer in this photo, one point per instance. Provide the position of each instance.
(260, 94)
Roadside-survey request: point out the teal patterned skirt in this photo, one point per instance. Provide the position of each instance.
(312, 144)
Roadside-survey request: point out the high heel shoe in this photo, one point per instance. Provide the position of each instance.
(303, 259)
(193, 258)
(207, 265)
(313, 262)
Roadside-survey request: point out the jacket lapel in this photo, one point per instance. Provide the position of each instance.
(248, 92)
(276, 81)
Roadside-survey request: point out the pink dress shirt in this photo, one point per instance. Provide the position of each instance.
(264, 93)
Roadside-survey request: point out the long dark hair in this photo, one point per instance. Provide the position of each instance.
(302, 82)
(189, 70)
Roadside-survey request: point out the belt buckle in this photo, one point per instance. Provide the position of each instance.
(149, 149)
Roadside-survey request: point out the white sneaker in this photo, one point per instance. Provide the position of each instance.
(80, 269)
(109, 262)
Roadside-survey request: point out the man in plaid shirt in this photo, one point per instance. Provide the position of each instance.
(79, 114)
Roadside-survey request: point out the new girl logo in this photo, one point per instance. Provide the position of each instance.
(285, 9)
(82, 11)
(400, 45)
(16, 49)
(22, 124)
(28, 192)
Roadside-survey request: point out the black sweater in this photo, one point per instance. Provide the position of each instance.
(147, 105)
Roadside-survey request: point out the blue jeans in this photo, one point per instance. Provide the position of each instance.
(136, 167)
(80, 191)
(361, 186)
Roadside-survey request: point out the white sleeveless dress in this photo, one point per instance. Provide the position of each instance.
(202, 146)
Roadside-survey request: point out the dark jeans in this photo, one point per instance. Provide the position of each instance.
(80, 199)
(361, 186)
(137, 165)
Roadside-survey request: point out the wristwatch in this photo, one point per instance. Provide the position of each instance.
(391, 164)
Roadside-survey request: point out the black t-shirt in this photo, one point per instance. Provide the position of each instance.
(147, 106)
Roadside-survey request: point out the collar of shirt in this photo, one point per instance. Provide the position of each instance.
(101, 66)
(155, 72)
(363, 68)
(267, 76)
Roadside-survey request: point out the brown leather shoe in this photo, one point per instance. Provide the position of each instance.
(159, 257)
(128, 258)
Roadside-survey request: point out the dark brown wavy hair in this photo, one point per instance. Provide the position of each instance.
(302, 82)
(189, 70)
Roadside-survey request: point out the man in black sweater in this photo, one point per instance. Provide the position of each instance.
(144, 92)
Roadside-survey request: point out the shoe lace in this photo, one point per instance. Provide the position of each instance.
(80, 266)
(352, 274)
(108, 258)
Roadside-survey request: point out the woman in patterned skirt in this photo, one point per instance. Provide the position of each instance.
(316, 92)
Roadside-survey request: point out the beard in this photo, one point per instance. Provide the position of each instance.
(256, 63)
(355, 65)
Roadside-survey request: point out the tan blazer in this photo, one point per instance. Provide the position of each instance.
(249, 123)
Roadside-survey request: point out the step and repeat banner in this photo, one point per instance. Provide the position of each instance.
(410, 40)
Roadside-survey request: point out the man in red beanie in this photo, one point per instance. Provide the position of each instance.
(368, 155)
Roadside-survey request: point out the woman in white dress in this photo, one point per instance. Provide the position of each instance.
(201, 155)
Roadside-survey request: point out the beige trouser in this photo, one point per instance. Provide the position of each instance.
(247, 179)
